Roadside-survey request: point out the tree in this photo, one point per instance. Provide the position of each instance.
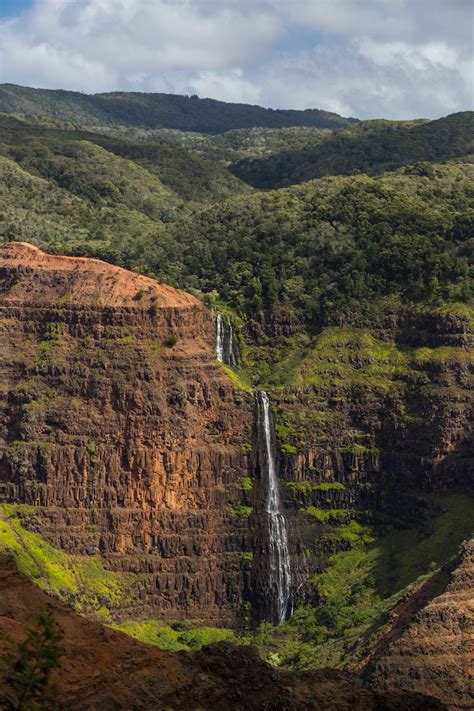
(28, 666)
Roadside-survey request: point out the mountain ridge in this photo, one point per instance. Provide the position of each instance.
(157, 110)
(369, 146)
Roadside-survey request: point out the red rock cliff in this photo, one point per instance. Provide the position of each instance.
(118, 424)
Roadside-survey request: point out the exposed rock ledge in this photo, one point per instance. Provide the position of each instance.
(86, 281)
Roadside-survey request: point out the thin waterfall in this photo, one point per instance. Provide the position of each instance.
(280, 575)
(219, 339)
(232, 360)
(227, 351)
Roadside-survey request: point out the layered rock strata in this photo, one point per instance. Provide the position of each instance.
(102, 668)
(117, 423)
(433, 651)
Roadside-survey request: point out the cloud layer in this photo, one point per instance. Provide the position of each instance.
(365, 58)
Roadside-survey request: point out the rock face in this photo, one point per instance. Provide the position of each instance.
(106, 669)
(434, 652)
(380, 418)
(119, 426)
(117, 422)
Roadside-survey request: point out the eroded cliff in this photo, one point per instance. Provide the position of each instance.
(134, 477)
(432, 650)
(122, 431)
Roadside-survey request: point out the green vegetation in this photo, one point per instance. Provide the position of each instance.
(26, 667)
(368, 146)
(82, 581)
(187, 113)
(337, 249)
(181, 635)
(334, 251)
(308, 486)
(91, 447)
(246, 483)
(170, 341)
(362, 584)
(352, 357)
(240, 379)
(231, 146)
(241, 511)
(329, 486)
(325, 515)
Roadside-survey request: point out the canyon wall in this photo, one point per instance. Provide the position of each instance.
(433, 651)
(122, 437)
(376, 421)
(119, 426)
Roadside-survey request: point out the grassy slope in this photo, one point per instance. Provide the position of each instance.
(81, 581)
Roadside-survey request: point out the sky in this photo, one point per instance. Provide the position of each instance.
(364, 58)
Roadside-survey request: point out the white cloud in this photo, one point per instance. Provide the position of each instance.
(228, 86)
(393, 58)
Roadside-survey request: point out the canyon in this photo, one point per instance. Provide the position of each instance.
(131, 442)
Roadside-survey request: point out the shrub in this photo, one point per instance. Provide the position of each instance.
(170, 340)
(28, 666)
(246, 483)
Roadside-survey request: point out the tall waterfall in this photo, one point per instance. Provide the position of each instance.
(280, 576)
(219, 339)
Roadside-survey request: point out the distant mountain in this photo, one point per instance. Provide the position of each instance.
(371, 147)
(156, 111)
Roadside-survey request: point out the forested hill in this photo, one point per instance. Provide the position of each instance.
(331, 250)
(155, 111)
(370, 147)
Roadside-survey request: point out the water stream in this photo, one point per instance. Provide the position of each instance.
(227, 351)
(280, 574)
(219, 339)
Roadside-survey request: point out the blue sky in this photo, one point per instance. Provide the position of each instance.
(10, 8)
(365, 58)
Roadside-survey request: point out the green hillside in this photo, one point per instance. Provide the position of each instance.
(187, 113)
(337, 245)
(336, 248)
(231, 146)
(369, 146)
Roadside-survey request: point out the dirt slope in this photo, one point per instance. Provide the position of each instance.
(105, 669)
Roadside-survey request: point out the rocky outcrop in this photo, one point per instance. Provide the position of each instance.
(433, 651)
(117, 423)
(102, 668)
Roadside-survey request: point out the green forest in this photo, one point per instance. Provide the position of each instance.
(186, 113)
(335, 249)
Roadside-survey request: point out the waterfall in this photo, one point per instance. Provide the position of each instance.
(280, 577)
(226, 350)
(219, 339)
(232, 360)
